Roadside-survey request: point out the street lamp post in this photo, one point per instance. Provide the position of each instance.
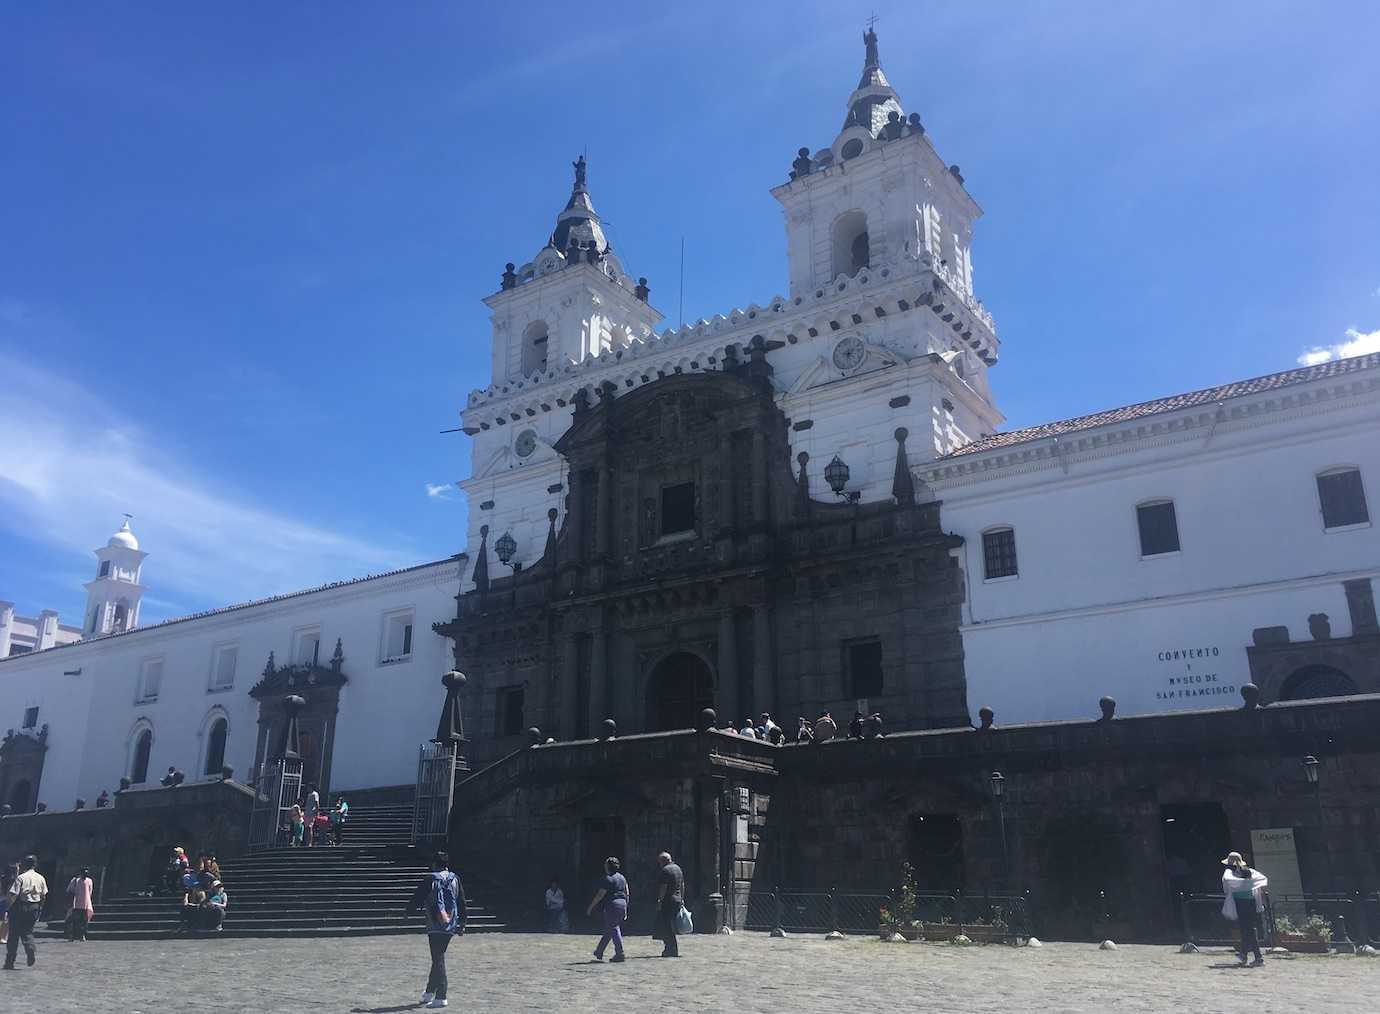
(836, 474)
(1312, 769)
(998, 786)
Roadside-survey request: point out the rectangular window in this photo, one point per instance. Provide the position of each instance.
(863, 664)
(105, 569)
(1343, 498)
(308, 647)
(224, 659)
(1159, 528)
(678, 508)
(397, 636)
(30, 718)
(150, 679)
(999, 553)
(510, 713)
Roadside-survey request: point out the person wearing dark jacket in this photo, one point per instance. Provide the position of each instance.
(442, 898)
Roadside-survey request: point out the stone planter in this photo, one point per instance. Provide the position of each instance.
(985, 934)
(1297, 943)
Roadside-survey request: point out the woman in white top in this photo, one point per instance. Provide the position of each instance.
(1241, 887)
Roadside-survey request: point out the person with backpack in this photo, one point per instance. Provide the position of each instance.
(26, 894)
(442, 898)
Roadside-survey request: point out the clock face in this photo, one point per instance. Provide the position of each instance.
(849, 354)
(526, 443)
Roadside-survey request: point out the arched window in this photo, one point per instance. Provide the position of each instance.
(1316, 681)
(999, 553)
(852, 248)
(215, 746)
(19, 797)
(139, 756)
(121, 615)
(534, 348)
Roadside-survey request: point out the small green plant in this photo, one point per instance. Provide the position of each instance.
(906, 900)
(1315, 927)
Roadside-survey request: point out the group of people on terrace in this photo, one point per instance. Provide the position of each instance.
(310, 825)
(821, 730)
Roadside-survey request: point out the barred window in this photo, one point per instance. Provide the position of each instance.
(999, 553)
(1343, 498)
(1159, 528)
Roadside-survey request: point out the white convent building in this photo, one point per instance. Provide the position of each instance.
(1165, 553)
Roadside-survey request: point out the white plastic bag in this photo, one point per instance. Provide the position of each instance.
(684, 924)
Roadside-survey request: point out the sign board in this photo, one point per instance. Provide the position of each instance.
(1275, 854)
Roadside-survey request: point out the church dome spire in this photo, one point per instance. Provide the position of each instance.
(579, 224)
(874, 99)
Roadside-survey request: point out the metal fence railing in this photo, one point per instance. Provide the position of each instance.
(1352, 920)
(994, 916)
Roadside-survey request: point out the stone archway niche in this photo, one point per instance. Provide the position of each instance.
(679, 688)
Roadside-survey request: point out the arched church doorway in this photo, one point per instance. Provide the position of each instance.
(681, 686)
(1316, 681)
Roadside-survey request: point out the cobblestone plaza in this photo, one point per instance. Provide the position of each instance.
(746, 972)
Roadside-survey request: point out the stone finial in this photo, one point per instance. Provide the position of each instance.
(902, 483)
(986, 716)
(481, 563)
(643, 290)
(802, 165)
(450, 730)
(707, 720)
(893, 127)
(954, 172)
(1108, 706)
(1250, 693)
(549, 554)
(535, 736)
(337, 657)
(81, 804)
(802, 482)
(124, 784)
(509, 276)
(1320, 627)
(608, 729)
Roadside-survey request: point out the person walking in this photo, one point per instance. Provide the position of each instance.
(670, 896)
(1241, 887)
(7, 876)
(612, 902)
(79, 898)
(442, 898)
(26, 894)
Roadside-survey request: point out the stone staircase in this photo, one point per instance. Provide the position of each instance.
(360, 888)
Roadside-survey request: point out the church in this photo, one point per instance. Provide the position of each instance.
(807, 504)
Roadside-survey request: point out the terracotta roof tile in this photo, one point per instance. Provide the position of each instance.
(1207, 396)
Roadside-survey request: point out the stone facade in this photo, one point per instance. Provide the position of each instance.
(127, 844)
(693, 570)
(1088, 808)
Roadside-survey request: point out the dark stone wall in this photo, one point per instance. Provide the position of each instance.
(127, 844)
(1084, 809)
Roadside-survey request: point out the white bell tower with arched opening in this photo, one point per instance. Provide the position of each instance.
(113, 596)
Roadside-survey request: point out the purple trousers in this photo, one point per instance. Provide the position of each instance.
(615, 913)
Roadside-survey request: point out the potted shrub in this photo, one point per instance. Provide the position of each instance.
(1313, 936)
(899, 917)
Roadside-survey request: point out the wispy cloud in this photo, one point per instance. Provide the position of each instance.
(70, 464)
(1357, 343)
(440, 490)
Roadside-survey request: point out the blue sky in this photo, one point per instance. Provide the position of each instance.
(245, 246)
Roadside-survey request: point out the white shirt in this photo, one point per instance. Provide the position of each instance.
(29, 886)
(555, 899)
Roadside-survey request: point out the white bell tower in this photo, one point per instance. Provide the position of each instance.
(112, 598)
